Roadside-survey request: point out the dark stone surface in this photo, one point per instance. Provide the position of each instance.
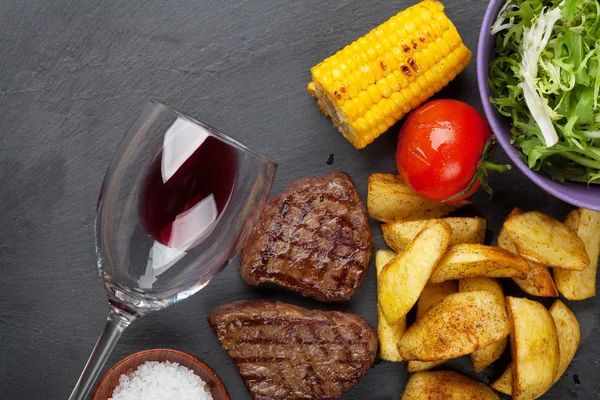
(73, 76)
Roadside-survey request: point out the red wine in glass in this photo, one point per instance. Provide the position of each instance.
(183, 198)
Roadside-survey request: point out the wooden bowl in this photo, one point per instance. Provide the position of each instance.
(110, 380)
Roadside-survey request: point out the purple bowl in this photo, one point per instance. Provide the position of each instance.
(578, 194)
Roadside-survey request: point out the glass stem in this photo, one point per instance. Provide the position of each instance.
(116, 323)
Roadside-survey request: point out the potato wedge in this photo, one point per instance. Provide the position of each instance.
(547, 241)
(402, 279)
(421, 366)
(504, 383)
(382, 258)
(485, 356)
(477, 261)
(504, 241)
(447, 385)
(569, 335)
(389, 335)
(534, 348)
(398, 235)
(458, 325)
(432, 294)
(538, 282)
(390, 199)
(580, 285)
(475, 284)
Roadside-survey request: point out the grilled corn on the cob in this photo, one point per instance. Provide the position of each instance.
(372, 83)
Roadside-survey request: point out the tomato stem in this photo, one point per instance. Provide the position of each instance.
(492, 166)
(486, 163)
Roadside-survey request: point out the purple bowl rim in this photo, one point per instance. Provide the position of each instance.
(483, 52)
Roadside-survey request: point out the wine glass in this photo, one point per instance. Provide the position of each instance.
(177, 202)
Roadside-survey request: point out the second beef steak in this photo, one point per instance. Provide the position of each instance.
(285, 352)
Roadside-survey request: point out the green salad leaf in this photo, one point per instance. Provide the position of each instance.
(546, 80)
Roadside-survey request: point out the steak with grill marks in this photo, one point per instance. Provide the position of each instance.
(313, 238)
(287, 352)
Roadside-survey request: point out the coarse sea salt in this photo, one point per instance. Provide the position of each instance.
(154, 380)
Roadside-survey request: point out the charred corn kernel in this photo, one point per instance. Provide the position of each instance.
(373, 82)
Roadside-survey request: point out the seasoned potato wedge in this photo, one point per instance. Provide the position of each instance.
(446, 385)
(390, 199)
(420, 366)
(485, 356)
(475, 284)
(538, 282)
(478, 260)
(569, 335)
(389, 335)
(504, 383)
(432, 294)
(547, 241)
(398, 235)
(580, 285)
(534, 348)
(457, 325)
(402, 279)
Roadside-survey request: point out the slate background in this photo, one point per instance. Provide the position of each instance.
(74, 74)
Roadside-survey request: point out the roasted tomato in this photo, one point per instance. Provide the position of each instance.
(444, 150)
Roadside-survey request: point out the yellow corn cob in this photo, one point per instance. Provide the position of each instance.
(372, 83)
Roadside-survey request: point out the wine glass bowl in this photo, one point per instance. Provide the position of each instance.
(177, 202)
(152, 227)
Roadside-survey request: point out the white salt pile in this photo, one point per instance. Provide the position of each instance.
(161, 381)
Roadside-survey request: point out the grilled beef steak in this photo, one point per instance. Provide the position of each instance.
(287, 352)
(313, 238)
